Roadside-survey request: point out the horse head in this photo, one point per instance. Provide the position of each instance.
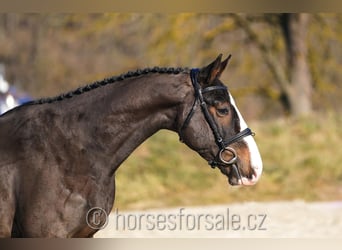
(212, 125)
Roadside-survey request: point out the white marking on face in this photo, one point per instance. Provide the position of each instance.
(255, 157)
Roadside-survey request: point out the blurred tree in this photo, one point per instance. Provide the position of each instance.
(47, 54)
(293, 78)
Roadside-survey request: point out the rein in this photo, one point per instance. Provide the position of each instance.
(222, 144)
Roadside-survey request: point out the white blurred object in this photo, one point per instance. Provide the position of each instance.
(11, 102)
(7, 101)
(4, 86)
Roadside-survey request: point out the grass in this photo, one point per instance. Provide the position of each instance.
(302, 160)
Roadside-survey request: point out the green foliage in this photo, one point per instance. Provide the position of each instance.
(302, 159)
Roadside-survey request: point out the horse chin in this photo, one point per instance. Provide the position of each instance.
(236, 179)
(233, 179)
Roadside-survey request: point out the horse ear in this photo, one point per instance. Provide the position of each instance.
(223, 65)
(209, 73)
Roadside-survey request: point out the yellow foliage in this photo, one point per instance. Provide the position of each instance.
(46, 54)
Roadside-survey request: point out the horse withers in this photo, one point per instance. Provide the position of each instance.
(58, 155)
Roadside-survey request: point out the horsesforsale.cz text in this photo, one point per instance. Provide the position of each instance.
(182, 220)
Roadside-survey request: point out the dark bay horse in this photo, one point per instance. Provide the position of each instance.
(58, 155)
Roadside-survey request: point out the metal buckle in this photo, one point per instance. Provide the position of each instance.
(231, 161)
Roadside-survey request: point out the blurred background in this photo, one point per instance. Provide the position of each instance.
(285, 75)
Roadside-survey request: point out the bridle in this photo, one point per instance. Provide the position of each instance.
(222, 144)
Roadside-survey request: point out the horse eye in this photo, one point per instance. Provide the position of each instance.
(222, 111)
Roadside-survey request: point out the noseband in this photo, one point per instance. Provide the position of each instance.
(222, 144)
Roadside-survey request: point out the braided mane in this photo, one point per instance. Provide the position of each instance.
(107, 81)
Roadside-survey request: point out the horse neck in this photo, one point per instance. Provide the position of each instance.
(130, 111)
